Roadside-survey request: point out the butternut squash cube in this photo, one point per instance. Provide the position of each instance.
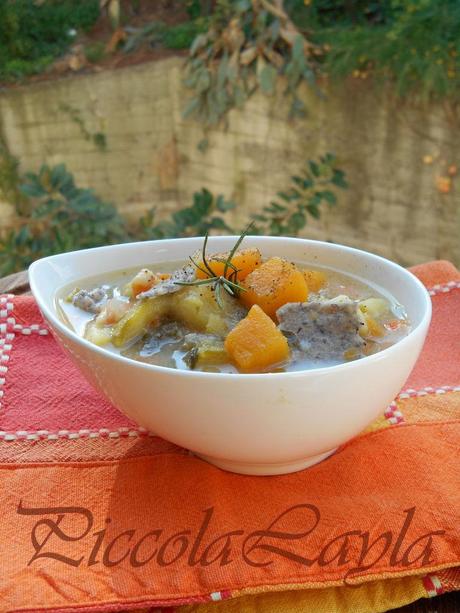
(255, 343)
(245, 261)
(316, 279)
(274, 283)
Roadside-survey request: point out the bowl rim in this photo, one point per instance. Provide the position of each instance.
(53, 317)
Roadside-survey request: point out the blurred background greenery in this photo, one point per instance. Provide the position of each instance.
(232, 50)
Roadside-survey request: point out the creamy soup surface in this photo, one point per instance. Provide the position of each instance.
(257, 315)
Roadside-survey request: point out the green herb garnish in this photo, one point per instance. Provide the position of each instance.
(227, 282)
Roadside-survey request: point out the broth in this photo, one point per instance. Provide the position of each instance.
(169, 342)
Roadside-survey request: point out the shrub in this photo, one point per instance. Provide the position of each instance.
(203, 215)
(32, 34)
(57, 216)
(288, 215)
(415, 46)
(61, 217)
(248, 45)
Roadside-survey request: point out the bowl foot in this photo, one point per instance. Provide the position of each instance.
(283, 468)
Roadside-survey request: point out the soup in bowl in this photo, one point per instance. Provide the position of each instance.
(260, 356)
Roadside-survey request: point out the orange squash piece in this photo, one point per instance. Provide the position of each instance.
(255, 343)
(315, 279)
(273, 284)
(245, 260)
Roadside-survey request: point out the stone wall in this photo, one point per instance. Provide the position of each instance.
(392, 207)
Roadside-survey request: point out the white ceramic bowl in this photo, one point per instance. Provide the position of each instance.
(261, 424)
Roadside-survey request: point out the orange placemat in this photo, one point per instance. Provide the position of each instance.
(99, 515)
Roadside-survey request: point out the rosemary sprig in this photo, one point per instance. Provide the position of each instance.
(219, 282)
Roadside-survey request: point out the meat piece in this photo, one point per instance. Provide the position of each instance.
(169, 286)
(322, 329)
(91, 301)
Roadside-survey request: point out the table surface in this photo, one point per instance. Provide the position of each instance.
(18, 283)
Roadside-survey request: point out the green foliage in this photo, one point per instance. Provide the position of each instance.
(327, 13)
(248, 45)
(62, 217)
(416, 48)
(9, 175)
(176, 37)
(206, 213)
(182, 35)
(289, 214)
(199, 8)
(95, 52)
(59, 216)
(33, 33)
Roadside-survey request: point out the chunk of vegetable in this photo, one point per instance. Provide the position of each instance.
(245, 261)
(139, 318)
(112, 312)
(273, 284)
(369, 311)
(205, 350)
(375, 307)
(97, 335)
(369, 326)
(196, 307)
(315, 280)
(255, 343)
(143, 281)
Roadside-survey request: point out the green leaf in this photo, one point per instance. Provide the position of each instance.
(217, 223)
(296, 222)
(239, 96)
(222, 71)
(204, 81)
(199, 42)
(275, 207)
(242, 5)
(338, 179)
(58, 175)
(191, 107)
(298, 50)
(32, 190)
(314, 211)
(330, 197)
(223, 205)
(314, 168)
(267, 79)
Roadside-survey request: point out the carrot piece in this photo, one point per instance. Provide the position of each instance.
(273, 284)
(245, 261)
(255, 343)
(315, 279)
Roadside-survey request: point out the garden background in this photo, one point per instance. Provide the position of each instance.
(129, 120)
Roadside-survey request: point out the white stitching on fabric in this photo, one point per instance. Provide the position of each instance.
(433, 585)
(6, 308)
(443, 288)
(395, 416)
(411, 393)
(27, 330)
(73, 435)
(392, 413)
